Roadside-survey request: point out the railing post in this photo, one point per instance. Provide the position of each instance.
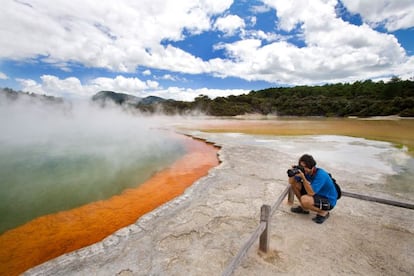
(265, 236)
(263, 229)
(291, 196)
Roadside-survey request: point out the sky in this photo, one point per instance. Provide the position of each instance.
(182, 49)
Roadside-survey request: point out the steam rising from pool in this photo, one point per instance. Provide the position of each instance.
(59, 156)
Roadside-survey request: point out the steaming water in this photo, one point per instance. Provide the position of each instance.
(54, 158)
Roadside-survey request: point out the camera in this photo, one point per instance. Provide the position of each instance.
(295, 170)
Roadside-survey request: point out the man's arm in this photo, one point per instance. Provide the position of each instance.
(306, 184)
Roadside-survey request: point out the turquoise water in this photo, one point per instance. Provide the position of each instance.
(54, 163)
(39, 180)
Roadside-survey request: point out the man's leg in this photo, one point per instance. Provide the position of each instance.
(298, 191)
(296, 187)
(308, 202)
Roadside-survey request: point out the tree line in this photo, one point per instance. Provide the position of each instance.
(361, 98)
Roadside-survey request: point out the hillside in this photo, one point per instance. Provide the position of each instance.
(103, 97)
(362, 99)
(118, 98)
(13, 95)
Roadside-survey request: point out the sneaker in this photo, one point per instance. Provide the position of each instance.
(320, 219)
(299, 210)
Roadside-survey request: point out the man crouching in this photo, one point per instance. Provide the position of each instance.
(313, 187)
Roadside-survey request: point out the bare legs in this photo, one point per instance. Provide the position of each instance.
(296, 187)
(306, 201)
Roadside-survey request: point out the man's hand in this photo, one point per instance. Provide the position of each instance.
(301, 174)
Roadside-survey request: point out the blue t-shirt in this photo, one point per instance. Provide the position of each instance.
(322, 185)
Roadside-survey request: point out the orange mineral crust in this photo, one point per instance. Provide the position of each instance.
(52, 235)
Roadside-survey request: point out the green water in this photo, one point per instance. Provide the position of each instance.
(43, 178)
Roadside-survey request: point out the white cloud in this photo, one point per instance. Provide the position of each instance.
(292, 13)
(168, 77)
(330, 53)
(31, 86)
(177, 60)
(152, 84)
(125, 35)
(120, 84)
(394, 15)
(260, 9)
(147, 73)
(116, 35)
(261, 35)
(171, 77)
(252, 20)
(53, 86)
(62, 87)
(73, 88)
(229, 24)
(3, 76)
(241, 50)
(188, 94)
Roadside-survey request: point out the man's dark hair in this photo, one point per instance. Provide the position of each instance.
(308, 160)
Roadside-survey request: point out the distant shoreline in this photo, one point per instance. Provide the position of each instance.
(258, 116)
(397, 130)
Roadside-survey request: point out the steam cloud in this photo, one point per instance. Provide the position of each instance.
(56, 156)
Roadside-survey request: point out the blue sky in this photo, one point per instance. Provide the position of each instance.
(181, 49)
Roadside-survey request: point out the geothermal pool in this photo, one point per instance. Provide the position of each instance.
(52, 161)
(39, 179)
(71, 176)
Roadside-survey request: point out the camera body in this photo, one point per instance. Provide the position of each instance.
(295, 170)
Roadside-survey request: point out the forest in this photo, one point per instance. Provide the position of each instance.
(360, 99)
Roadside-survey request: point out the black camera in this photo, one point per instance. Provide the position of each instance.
(295, 170)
